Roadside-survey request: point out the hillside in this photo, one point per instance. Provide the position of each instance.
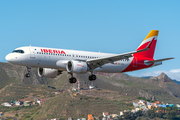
(10, 73)
(114, 92)
(178, 82)
(132, 87)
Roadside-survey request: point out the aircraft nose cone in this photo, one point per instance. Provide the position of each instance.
(8, 58)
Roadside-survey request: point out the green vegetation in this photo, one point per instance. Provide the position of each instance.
(143, 98)
(159, 113)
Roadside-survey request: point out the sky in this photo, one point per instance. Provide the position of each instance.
(111, 26)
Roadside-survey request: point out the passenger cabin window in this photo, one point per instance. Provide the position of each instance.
(18, 51)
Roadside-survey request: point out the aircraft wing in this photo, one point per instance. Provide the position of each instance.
(95, 63)
(159, 60)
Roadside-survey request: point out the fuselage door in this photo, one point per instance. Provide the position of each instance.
(32, 52)
(135, 62)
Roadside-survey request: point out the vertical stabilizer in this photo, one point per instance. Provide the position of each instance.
(151, 38)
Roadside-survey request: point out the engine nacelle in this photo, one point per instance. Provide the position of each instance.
(76, 67)
(48, 72)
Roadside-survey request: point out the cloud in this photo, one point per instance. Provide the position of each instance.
(173, 73)
(175, 70)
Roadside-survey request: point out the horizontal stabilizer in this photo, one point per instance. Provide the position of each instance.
(160, 60)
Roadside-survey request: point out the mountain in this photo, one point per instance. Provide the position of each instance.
(176, 81)
(153, 88)
(146, 77)
(167, 84)
(114, 90)
(10, 73)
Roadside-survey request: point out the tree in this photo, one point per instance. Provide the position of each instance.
(159, 115)
(151, 114)
(139, 113)
(129, 116)
(171, 115)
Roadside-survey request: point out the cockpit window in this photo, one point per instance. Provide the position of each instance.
(18, 51)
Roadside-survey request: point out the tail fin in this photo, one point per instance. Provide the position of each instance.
(151, 38)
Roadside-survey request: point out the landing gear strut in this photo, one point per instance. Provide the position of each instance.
(92, 77)
(72, 79)
(27, 75)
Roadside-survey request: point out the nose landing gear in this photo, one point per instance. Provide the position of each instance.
(27, 75)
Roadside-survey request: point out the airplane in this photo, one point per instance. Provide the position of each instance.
(51, 62)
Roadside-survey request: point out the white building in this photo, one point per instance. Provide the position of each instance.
(121, 113)
(17, 103)
(105, 114)
(6, 104)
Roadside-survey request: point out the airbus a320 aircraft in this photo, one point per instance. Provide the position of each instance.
(52, 62)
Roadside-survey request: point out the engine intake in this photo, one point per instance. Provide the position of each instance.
(76, 67)
(48, 72)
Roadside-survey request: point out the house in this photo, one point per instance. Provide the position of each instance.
(126, 110)
(105, 114)
(149, 106)
(43, 100)
(158, 102)
(18, 103)
(56, 93)
(7, 104)
(135, 104)
(39, 102)
(171, 105)
(1, 113)
(74, 89)
(90, 117)
(92, 87)
(121, 113)
(141, 102)
(178, 106)
(137, 109)
(133, 110)
(114, 115)
(27, 103)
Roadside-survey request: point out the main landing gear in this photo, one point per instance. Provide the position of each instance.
(72, 79)
(92, 77)
(27, 75)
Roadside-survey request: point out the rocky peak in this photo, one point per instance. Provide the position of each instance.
(164, 78)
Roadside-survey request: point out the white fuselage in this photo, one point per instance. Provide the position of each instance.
(58, 58)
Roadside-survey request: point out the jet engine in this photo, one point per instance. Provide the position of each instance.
(48, 72)
(76, 67)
